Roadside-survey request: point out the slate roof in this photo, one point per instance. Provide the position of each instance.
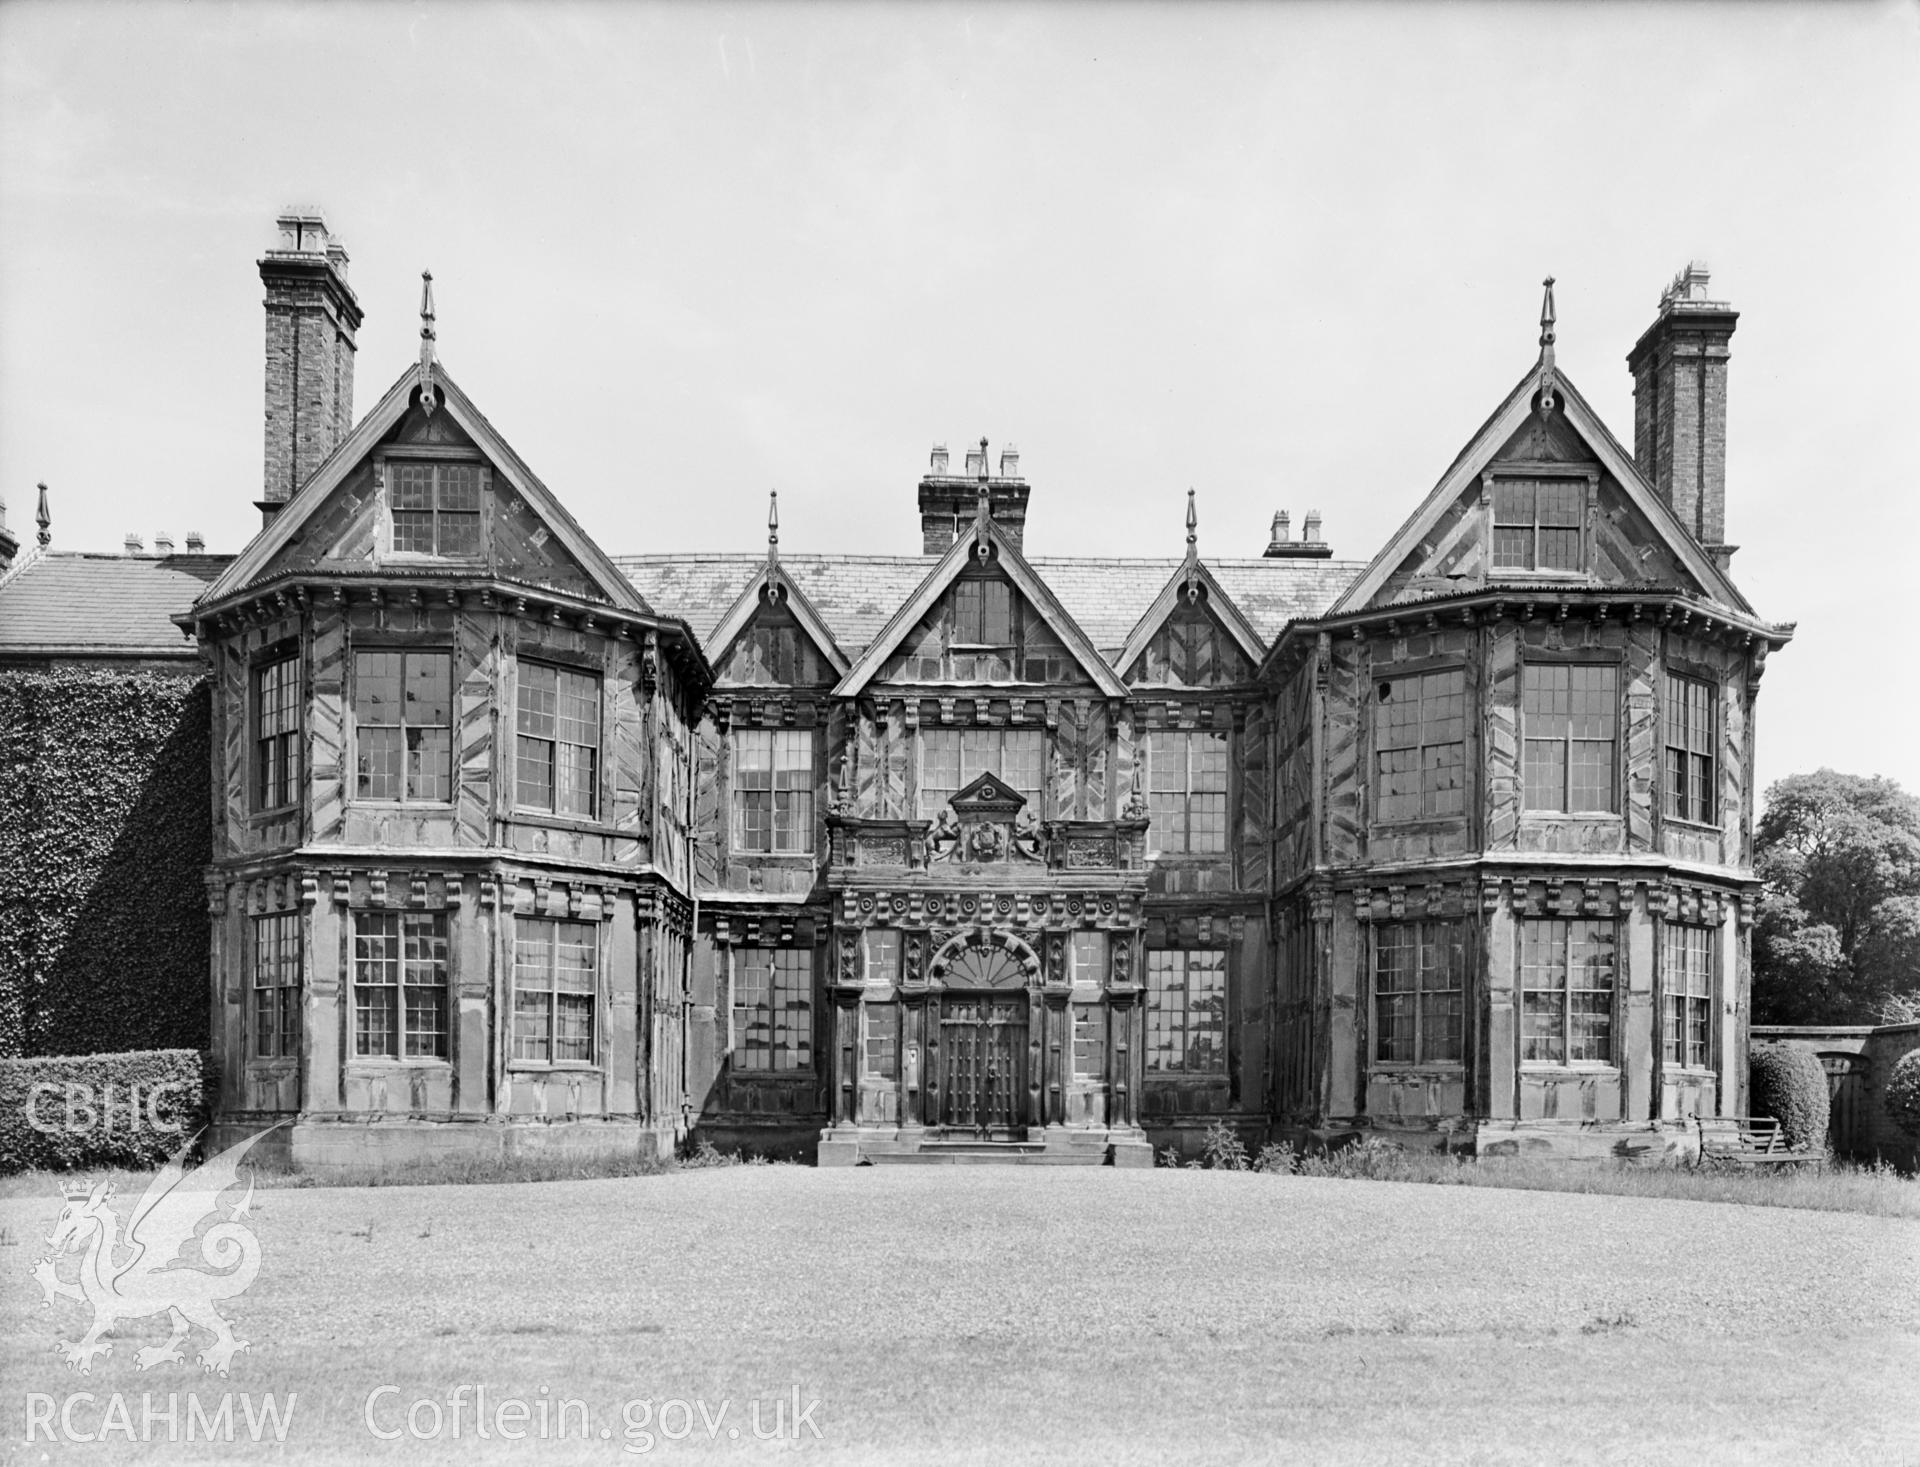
(122, 603)
(856, 594)
(81, 601)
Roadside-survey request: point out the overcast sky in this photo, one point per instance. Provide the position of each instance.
(1287, 256)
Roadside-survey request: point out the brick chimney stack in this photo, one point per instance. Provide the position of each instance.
(1679, 368)
(312, 315)
(949, 501)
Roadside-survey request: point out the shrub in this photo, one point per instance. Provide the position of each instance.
(96, 1129)
(1222, 1149)
(1903, 1093)
(1789, 1084)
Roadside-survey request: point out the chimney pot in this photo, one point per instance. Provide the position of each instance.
(162, 543)
(977, 461)
(134, 545)
(196, 543)
(1310, 527)
(1009, 462)
(939, 462)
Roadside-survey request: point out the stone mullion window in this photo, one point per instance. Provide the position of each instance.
(1187, 792)
(555, 987)
(1686, 980)
(1419, 992)
(400, 985)
(773, 787)
(1571, 723)
(276, 734)
(1187, 1011)
(1420, 746)
(1568, 970)
(1089, 1042)
(403, 726)
(773, 1008)
(436, 509)
(1690, 748)
(557, 747)
(274, 960)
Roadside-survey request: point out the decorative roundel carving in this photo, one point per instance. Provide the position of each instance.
(968, 906)
(899, 905)
(866, 904)
(1106, 906)
(1074, 906)
(988, 792)
(933, 906)
(1003, 905)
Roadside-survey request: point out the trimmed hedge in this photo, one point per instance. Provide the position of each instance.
(105, 830)
(75, 1111)
(1790, 1085)
(1903, 1093)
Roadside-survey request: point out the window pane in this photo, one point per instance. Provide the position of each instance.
(1089, 1042)
(1513, 548)
(882, 1035)
(880, 947)
(1088, 958)
(532, 1021)
(538, 699)
(459, 487)
(1513, 502)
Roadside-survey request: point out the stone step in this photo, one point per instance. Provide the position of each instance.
(948, 1155)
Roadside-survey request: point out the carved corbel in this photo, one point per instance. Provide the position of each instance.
(1489, 895)
(1396, 903)
(342, 888)
(377, 887)
(454, 889)
(417, 889)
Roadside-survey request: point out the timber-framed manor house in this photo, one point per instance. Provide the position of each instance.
(520, 843)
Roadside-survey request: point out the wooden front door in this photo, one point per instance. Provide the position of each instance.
(984, 1041)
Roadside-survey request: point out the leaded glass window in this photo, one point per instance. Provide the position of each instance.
(1187, 1011)
(1686, 980)
(1420, 748)
(1186, 792)
(773, 790)
(1571, 716)
(1690, 733)
(557, 759)
(436, 509)
(400, 984)
(1567, 975)
(1419, 992)
(555, 988)
(1537, 523)
(773, 1008)
(403, 726)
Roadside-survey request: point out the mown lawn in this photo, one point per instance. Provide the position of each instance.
(1025, 1315)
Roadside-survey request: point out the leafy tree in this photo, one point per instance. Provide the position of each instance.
(1837, 936)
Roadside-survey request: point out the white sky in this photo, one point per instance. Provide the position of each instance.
(1289, 256)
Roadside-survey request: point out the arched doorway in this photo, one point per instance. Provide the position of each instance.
(984, 1018)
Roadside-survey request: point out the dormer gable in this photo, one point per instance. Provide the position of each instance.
(774, 638)
(981, 615)
(1192, 636)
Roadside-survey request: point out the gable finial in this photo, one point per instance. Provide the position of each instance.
(427, 402)
(773, 545)
(1546, 348)
(983, 509)
(43, 517)
(1193, 550)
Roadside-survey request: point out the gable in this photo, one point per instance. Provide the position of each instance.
(982, 629)
(364, 507)
(775, 648)
(426, 499)
(1622, 532)
(1190, 649)
(1543, 507)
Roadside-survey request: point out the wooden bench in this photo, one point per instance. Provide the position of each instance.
(1758, 1141)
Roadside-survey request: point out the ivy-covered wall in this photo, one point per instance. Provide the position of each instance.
(105, 829)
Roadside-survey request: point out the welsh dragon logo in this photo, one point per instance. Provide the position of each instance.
(150, 1268)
